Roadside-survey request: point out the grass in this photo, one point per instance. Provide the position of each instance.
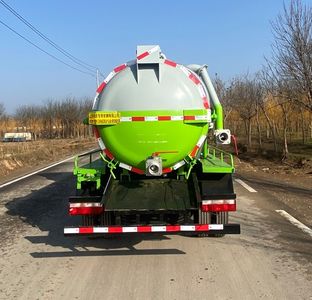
(17, 155)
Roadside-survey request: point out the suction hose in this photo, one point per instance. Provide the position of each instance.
(201, 71)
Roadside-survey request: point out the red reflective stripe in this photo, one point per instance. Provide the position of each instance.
(96, 132)
(189, 118)
(194, 151)
(136, 170)
(138, 229)
(114, 229)
(202, 227)
(101, 87)
(173, 228)
(170, 63)
(164, 118)
(144, 54)
(138, 119)
(120, 68)
(85, 229)
(205, 101)
(144, 228)
(85, 211)
(108, 153)
(166, 170)
(194, 78)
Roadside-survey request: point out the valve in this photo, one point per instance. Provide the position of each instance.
(223, 136)
(153, 166)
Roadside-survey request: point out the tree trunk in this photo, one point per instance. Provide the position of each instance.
(271, 126)
(259, 129)
(249, 132)
(285, 125)
(302, 126)
(310, 126)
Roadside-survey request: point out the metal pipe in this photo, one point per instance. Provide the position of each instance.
(201, 71)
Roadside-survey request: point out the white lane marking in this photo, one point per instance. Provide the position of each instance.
(295, 222)
(41, 170)
(246, 186)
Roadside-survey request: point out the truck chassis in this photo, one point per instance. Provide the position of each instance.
(133, 203)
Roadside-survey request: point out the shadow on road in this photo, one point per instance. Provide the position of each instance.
(46, 209)
(113, 246)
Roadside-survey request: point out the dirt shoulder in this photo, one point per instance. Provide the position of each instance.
(290, 172)
(18, 159)
(291, 184)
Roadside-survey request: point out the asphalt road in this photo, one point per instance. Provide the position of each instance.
(271, 259)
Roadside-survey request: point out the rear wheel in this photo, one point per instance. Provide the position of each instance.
(219, 218)
(202, 218)
(211, 218)
(107, 218)
(88, 220)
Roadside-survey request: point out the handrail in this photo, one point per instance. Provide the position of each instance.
(216, 153)
(90, 153)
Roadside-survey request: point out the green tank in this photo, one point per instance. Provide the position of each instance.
(151, 112)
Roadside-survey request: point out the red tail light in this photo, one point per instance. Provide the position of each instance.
(218, 205)
(85, 209)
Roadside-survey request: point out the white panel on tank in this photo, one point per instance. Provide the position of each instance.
(175, 91)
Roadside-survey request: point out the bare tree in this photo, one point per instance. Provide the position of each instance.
(245, 94)
(28, 116)
(291, 60)
(85, 106)
(2, 118)
(222, 92)
(49, 119)
(2, 110)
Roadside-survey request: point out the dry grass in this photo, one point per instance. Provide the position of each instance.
(15, 156)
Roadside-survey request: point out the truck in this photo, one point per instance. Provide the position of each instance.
(159, 166)
(17, 137)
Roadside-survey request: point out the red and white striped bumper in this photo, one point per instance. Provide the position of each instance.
(211, 228)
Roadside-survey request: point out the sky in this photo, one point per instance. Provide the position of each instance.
(231, 37)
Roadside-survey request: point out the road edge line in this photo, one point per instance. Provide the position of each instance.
(294, 221)
(246, 186)
(41, 170)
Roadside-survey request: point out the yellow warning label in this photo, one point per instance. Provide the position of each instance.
(104, 118)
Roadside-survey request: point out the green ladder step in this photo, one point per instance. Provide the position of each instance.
(215, 165)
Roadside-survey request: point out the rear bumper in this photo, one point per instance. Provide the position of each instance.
(167, 229)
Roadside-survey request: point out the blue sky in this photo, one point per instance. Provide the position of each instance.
(232, 37)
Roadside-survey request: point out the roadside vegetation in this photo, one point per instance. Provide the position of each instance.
(52, 120)
(57, 132)
(270, 112)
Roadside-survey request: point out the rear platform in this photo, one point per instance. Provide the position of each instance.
(149, 195)
(140, 204)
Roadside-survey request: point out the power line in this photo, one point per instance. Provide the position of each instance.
(51, 55)
(53, 44)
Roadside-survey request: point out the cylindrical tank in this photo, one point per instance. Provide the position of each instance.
(151, 107)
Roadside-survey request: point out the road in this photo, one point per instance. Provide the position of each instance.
(271, 259)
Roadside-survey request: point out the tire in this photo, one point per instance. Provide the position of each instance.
(107, 218)
(203, 218)
(219, 218)
(212, 218)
